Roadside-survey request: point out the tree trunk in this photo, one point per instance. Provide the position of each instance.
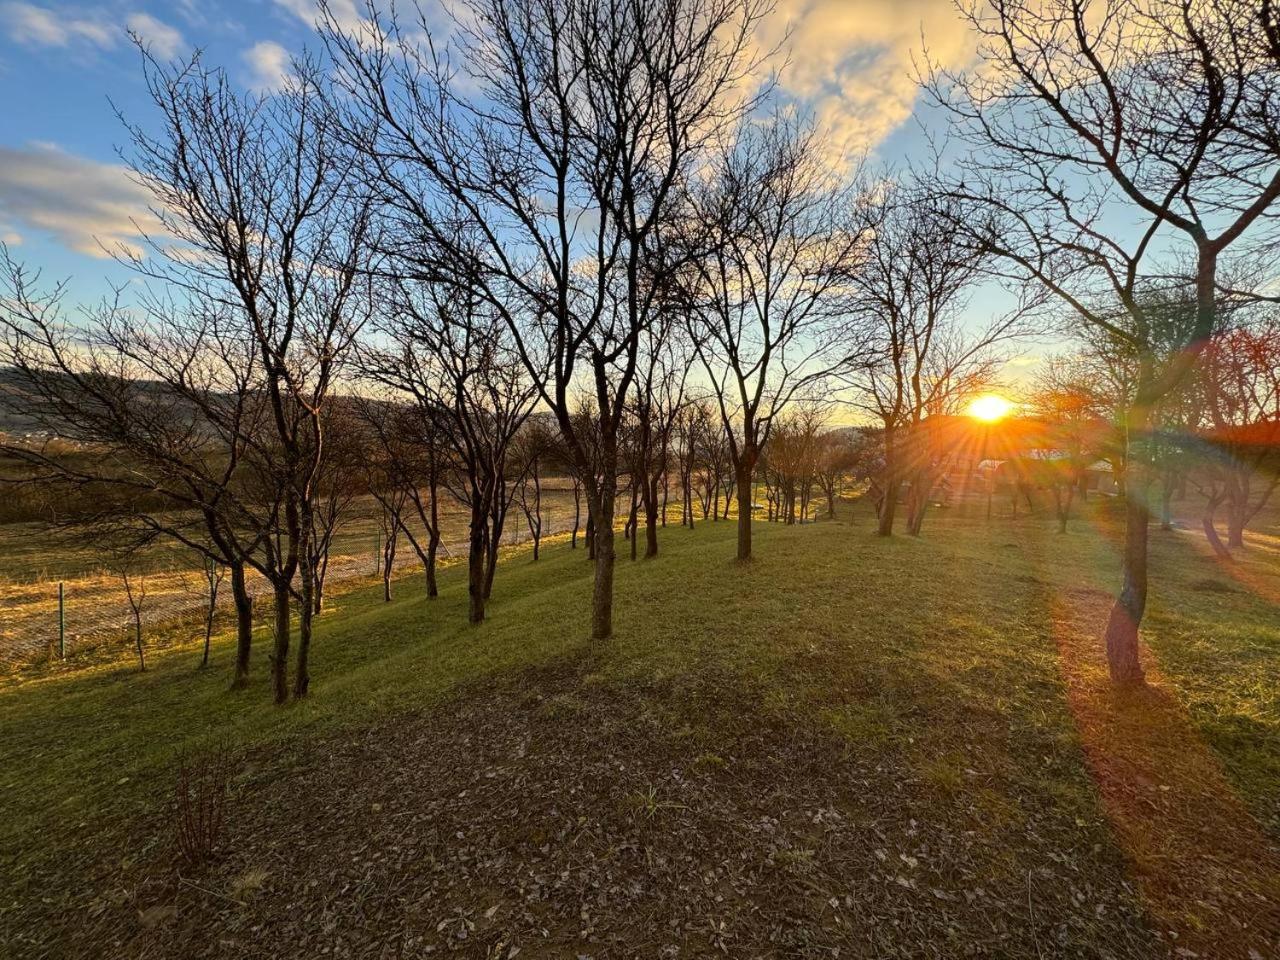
(244, 626)
(302, 675)
(433, 547)
(633, 518)
(743, 478)
(389, 544)
(433, 535)
(209, 615)
(494, 544)
(889, 508)
(1062, 502)
(1131, 603)
(137, 639)
(1235, 525)
(280, 650)
(602, 592)
(1208, 521)
(476, 555)
(650, 517)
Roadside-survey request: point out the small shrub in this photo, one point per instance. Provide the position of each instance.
(200, 799)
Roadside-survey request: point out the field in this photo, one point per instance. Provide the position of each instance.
(851, 747)
(35, 558)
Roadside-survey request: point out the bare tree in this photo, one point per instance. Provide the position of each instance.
(391, 500)
(454, 357)
(792, 460)
(1239, 383)
(561, 154)
(1065, 397)
(339, 483)
(163, 405)
(913, 289)
(660, 398)
(134, 581)
(264, 219)
(837, 460)
(535, 449)
(214, 574)
(777, 273)
(1103, 138)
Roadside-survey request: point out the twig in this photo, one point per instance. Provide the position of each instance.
(212, 893)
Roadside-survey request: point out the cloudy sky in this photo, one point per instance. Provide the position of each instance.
(63, 65)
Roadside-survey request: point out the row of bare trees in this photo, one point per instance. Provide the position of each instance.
(587, 238)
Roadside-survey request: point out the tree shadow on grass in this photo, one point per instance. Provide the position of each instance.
(1209, 875)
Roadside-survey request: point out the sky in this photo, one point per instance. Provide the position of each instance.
(66, 68)
(69, 73)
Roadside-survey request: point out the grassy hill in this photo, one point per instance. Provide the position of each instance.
(850, 747)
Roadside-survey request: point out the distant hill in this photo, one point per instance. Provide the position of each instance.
(12, 420)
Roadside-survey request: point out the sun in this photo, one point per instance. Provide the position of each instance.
(989, 408)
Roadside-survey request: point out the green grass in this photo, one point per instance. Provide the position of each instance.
(937, 655)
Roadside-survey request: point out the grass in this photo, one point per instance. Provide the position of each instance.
(957, 675)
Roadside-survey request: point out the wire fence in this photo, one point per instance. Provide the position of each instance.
(58, 619)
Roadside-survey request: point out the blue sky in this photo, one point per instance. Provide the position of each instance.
(63, 192)
(62, 66)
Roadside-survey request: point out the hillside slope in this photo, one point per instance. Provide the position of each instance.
(850, 747)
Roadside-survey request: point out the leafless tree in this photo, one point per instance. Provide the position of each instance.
(661, 395)
(162, 405)
(214, 574)
(786, 238)
(560, 153)
(134, 581)
(535, 450)
(913, 289)
(792, 460)
(1075, 412)
(1239, 388)
(449, 352)
(1106, 138)
(339, 483)
(837, 460)
(262, 216)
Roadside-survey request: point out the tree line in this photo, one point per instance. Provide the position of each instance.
(595, 240)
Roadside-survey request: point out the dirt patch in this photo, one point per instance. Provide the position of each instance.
(559, 815)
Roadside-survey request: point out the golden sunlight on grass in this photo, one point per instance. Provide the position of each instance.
(989, 408)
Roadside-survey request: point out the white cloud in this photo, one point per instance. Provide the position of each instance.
(163, 40)
(852, 63)
(83, 204)
(36, 26)
(345, 12)
(269, 66)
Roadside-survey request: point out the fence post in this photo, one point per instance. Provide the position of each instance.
(62, 623)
